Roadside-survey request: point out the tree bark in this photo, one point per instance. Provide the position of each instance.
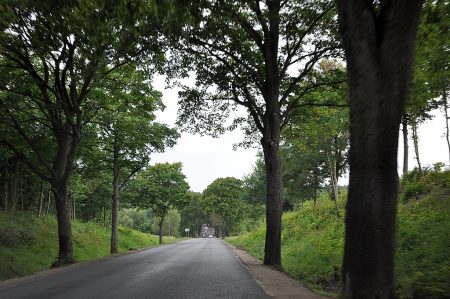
(416, 144)
(74, 210)
(62, 170)
(334, 183)
(5, 199)
(49, 201)
(161, 222)
(41, 200)
(405, 143)
(22, 204)
(14, 191)
(378, 44)
(274, 200)
(115, 202)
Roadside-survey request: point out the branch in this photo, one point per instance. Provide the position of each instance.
(129, 176)
(23, 158)
(257, 10)
(297, 45)
(308, 66)
(322, 105)
(293, 104)
(251, 107)
(232, 56)
(32, 145)
(248, 28)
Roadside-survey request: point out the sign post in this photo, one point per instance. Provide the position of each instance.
(186, 230)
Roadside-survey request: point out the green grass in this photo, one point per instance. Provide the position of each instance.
(29, 244)
(313, 238)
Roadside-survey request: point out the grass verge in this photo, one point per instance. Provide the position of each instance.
(29, 244)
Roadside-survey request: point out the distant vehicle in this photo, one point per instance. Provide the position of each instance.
(207, 231)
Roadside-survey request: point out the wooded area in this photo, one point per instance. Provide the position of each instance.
(321, 89)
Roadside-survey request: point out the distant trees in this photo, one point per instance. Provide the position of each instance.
(223, 199)
(315, 147)
(378, 38)
(161, 188)
(193, 214)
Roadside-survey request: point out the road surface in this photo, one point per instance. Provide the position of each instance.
(196, 268)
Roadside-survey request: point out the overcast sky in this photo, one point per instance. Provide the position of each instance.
(205, 159)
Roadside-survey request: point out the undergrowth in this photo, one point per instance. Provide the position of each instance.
(313, 239)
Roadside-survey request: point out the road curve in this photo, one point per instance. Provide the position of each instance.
(196, 268)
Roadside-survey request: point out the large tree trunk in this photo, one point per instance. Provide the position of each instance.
(274, 200)
(62, 171)
(405, 143)
(416, 144)
(161, 222)
(378, 43)
(115, 203)
(61, 192)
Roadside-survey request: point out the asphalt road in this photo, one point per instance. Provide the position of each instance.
(196, 268)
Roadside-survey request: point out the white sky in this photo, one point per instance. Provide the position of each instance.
(205, 158)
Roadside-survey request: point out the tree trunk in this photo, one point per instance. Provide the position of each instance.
(334, 183)
(62, 170)
(74, 210)
(14, 191)
(49, 201)
(5, 192)
(161, 222)
(416, 144)
(274, 200)
(405, 143)
(41, 200)
(379, 44)
(447, 118)
(115, 202)
(61, 192)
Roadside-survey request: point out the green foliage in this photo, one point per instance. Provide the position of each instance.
(415, 184)
(124, 130)
(423, 245)
(171, 224)
(316, 141)
(193, 215)
(312, 243)
(239, 50)
(136, 219)
(432, 66)
(161, 188)
(29, 244)
(313, 238)
(224, 199)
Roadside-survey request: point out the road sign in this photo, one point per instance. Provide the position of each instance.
(186, 229)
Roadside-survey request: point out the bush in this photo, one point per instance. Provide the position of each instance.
(414, 185)
(313, 239)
